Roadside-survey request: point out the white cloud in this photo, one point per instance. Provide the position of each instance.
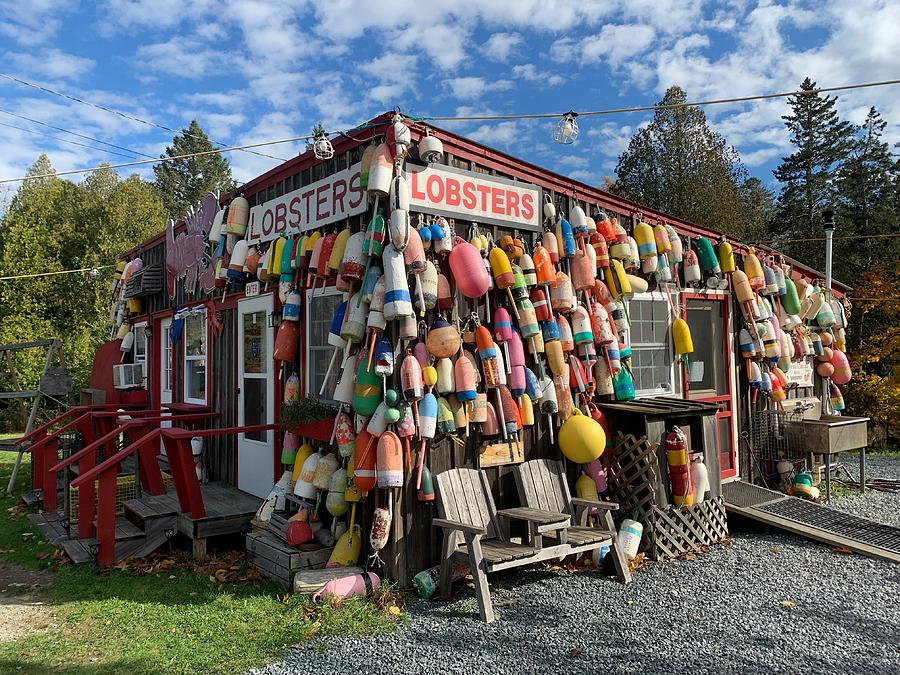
(497, 133)
(394, 73)
(53, 63)
(35, 21)
(475, 87)
(500, 46)
(530, 72)
(180, 56)
(616, 43)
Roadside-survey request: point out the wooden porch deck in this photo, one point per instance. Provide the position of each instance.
(152, 520)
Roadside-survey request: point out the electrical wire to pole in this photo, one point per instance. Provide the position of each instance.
(91, 270)
(113, 111)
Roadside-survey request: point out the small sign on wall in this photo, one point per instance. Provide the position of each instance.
(251, 290)
(801, 373)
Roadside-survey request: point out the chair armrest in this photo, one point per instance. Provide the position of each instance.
(460, 527)
(610, 506)
(535, 516)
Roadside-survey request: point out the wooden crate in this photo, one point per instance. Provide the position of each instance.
(277, 561)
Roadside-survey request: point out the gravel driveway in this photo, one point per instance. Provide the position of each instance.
(766, 603)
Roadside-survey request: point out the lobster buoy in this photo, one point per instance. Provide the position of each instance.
(543, 266)
(238, 216)
(646, 243)
(681, 334)
(381, 170)
(837, 399)
(699, 479)
(842, 372)
(562, 297)
(325, 467)
(551, 245)
(585, 488)
(679, 471)
(366, 389)
(304, 487)
(364, 462)
(691, 267)
(345, 435)
(335, 501)
(397, 301)
(581, 438)
(469, 272)
(623, 385)
(353, 262)
(464, 378)
(583, 272)
(389, 461)
(605, 226)
(617, 281)
(347, 549)
(286, 340)
(343, 390)
(443, 340)
(601, 251)
(753, 270)
(707, 256)
(526, 410)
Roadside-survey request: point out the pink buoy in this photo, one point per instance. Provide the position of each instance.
(345, 587)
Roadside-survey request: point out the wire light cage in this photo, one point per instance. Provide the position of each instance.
(777, 435)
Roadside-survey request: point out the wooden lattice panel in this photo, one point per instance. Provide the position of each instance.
(675, 530)
(632, 477)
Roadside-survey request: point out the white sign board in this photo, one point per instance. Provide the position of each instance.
(326, 201)
(801, 373)
(252, 289)
(454, 193)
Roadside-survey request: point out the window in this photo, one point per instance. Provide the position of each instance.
(319, 311)
(707, 371)
(140, 346)
(651, 358)
(195, 357)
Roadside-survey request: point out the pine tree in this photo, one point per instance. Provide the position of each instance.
(182, 183)
(866, 184)
(677, 164)
(317, 130)
(822, 141)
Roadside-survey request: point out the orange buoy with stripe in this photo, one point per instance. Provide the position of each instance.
(365, 462)
(389, 461)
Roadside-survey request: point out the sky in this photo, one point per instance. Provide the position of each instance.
(259, 70)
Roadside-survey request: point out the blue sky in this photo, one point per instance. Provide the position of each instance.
(253, 70)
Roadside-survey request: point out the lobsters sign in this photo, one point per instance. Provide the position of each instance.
(437, 190)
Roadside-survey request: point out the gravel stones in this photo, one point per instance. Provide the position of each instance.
(765, 603)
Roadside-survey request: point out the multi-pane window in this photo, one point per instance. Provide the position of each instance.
(320, 310)
(195, 357)
(140, 346)
(651, 360)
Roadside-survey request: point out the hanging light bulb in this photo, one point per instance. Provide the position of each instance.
(322, 147)
(566, 130)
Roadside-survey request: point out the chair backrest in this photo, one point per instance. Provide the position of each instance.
(464, 495)
(542, 485)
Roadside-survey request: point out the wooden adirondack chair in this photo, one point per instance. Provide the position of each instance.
(474, 530)
(542, 485)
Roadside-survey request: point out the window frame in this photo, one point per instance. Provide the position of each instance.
(667, 342)
(136, 357)
(186, 359)
(312, 388)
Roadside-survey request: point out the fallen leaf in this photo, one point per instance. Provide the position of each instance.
(774, 550)
(575, 651)
(787, 603)
(43, 554)
(394, 610)
(843, 550)
(629, 602)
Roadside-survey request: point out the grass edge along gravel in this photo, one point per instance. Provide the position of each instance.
(169, 619)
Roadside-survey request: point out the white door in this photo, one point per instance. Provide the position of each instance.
(165, 370)
(256, 393)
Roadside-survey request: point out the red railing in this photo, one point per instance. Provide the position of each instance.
(105, 474)
(178, 450)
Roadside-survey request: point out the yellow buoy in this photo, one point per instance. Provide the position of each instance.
(581, 438)
(681, 334)
(726, 258)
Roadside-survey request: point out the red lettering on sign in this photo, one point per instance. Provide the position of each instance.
(527, 207)
(485, 191)
(338, 192)
(252, 231)
(280, 217)
(512, 204)
(435, 189)
(268, 222)
(468, 190)
(321, 200)
(497, 202)
(355, 191)
(294, 221)
(415, 191)
(452, 192)
(307, 211)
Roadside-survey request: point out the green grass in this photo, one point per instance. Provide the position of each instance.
(170, 620)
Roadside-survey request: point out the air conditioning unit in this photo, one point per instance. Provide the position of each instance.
(128, 376)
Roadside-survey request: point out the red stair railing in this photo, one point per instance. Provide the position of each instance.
(149, 472)
(178, 449)
(105, 475)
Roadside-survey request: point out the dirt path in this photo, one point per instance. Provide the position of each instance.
(22, 609)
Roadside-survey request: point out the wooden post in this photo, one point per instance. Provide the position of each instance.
(106, 516)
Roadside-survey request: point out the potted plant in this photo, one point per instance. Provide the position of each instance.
(309, 418)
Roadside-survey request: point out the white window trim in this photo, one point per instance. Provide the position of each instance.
(167, 370)
(673, 384)
(311, 390)
(185, 359)
(142, 326)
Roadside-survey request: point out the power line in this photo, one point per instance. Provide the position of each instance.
(669, 106)
(64, 140)
(118, 112)
(74, 133)
(161, 159)
(847, 237)
(51, 274)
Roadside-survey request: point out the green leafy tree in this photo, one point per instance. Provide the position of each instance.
(55, 225)
(677, 164)
(758, 204)
(183, 183)
(822, 141)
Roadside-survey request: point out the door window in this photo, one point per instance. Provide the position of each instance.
(706, 365)
(195, 357)
(254, 387)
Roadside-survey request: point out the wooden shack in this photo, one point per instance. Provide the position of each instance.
(221, 354)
